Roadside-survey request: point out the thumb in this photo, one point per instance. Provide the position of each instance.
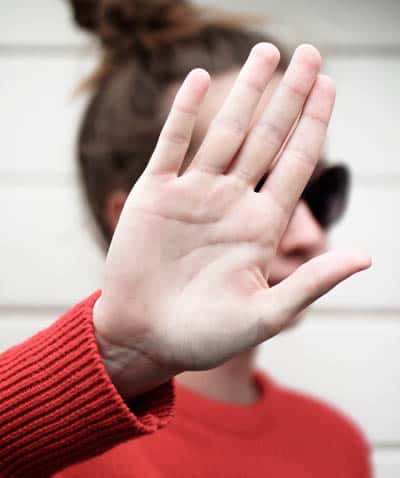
(278, 306)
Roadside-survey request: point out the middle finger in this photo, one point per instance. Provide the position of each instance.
(270, 132)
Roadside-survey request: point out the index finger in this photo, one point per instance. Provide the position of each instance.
(176, 133)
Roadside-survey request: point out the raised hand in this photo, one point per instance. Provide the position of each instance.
(186, 284)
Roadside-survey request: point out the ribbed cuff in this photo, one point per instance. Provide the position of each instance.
(58, 404)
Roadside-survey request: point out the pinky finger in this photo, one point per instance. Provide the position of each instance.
(304, 286)
(176, 133)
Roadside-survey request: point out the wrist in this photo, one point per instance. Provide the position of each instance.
(130, 370)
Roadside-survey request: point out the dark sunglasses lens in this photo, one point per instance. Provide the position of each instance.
(327, 194)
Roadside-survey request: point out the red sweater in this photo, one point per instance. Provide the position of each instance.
(58, 407)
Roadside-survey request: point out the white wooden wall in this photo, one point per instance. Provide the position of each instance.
(348, 350)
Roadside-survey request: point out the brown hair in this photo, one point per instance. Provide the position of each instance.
(147, 45)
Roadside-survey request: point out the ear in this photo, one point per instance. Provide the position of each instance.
(113, 208)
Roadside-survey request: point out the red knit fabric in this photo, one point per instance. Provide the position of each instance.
(58, 404)
(283, 435)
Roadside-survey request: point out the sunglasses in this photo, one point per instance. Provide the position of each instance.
(326, 194)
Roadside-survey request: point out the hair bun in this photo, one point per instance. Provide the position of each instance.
(123, 25)
(86, 13)
(126, 24)
(123, 15)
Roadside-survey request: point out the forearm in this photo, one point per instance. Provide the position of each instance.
(58, 404)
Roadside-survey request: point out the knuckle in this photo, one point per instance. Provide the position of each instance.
(270, 133)
(295, 90)
(253, 83)
(208, 168)
(176, 137)
(316, 119)
(245, 177)
(232, 125)
(302, 156)
(184, 110)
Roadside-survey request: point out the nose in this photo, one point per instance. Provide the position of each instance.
(304, 237)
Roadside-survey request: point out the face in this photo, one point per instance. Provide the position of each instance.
(304, 237)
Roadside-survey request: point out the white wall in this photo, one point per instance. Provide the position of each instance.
(348, 350)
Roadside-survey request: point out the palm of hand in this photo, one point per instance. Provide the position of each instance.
(206, 247)
(187, 271)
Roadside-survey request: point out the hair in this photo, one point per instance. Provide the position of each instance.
(147, 45)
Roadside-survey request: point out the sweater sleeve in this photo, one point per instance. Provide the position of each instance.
(59, 406)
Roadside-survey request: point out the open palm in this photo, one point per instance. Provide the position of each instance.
(187, 271)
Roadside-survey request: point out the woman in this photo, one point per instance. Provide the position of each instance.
(213, 250)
